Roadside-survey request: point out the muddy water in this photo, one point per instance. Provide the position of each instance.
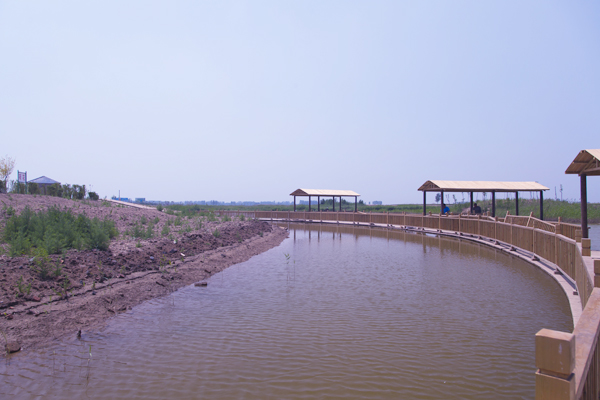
(361, 314)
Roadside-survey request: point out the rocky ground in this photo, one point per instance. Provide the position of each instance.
(87, 287)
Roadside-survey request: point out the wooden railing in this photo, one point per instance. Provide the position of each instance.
(568, 363)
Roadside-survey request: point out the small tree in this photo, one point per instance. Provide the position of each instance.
(438, 197)
(7, 165)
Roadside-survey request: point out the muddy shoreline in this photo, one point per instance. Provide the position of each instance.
(35, 312)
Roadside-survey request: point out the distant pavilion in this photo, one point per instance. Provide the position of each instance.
(318, 193)
(43, 182)
(483, 187)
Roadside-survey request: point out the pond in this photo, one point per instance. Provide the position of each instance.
(333, 312)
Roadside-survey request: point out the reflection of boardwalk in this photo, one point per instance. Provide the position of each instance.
(125, 203)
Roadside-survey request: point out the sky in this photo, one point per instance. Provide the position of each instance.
(251, 100)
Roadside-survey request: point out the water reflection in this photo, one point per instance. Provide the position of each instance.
(334, 312)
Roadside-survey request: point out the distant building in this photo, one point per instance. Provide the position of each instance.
(43, 182)
(140, 199)
(377, 203)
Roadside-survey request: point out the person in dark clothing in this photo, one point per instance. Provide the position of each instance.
(476, 209)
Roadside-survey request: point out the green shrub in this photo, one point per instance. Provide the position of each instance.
(165, 230)
(33, 188)
(216, 233)
(93, 196)
(55, 230)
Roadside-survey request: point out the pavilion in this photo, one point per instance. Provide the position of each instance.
(483, 187)
(586, 163)
(324, 193)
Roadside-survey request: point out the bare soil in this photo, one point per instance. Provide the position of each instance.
(94, 285)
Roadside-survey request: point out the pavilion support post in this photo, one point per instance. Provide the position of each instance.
(541, 205)
(319, 203)
(471, 202)
(355, 204)
(493, 204)
(333, 203)
(584, 217)
(442, 204)
(424, 202)
(309, 201)
(294, 203)
(517, 203)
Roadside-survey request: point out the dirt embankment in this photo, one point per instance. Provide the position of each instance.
(92, 286)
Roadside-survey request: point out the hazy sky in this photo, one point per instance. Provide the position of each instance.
(236, 100)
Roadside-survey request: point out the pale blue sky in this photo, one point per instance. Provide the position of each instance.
(235, 100)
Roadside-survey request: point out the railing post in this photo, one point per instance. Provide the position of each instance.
(555, 360)
(478, 224)
(578, 235)
(596, 273)
(496, 229)
(557, 231)
(586, 249)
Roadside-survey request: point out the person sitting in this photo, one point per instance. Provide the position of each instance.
(446, 209)
(476, 209)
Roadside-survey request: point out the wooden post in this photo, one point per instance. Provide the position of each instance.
(309, 203)
(424, 202)
(541, 205)
(517, 203)
(333, 203)
(586, 250)
(584, 216)
(294, 203)
(471, 204)
(496, 229)
(319, 203)
(596, 273)
(442, 204)
(355, 203)
(557, 231)
(493, 203)
(555, 360)
(478, 224)
(533, 244)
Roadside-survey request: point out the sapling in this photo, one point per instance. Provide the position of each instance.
(5, 340)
